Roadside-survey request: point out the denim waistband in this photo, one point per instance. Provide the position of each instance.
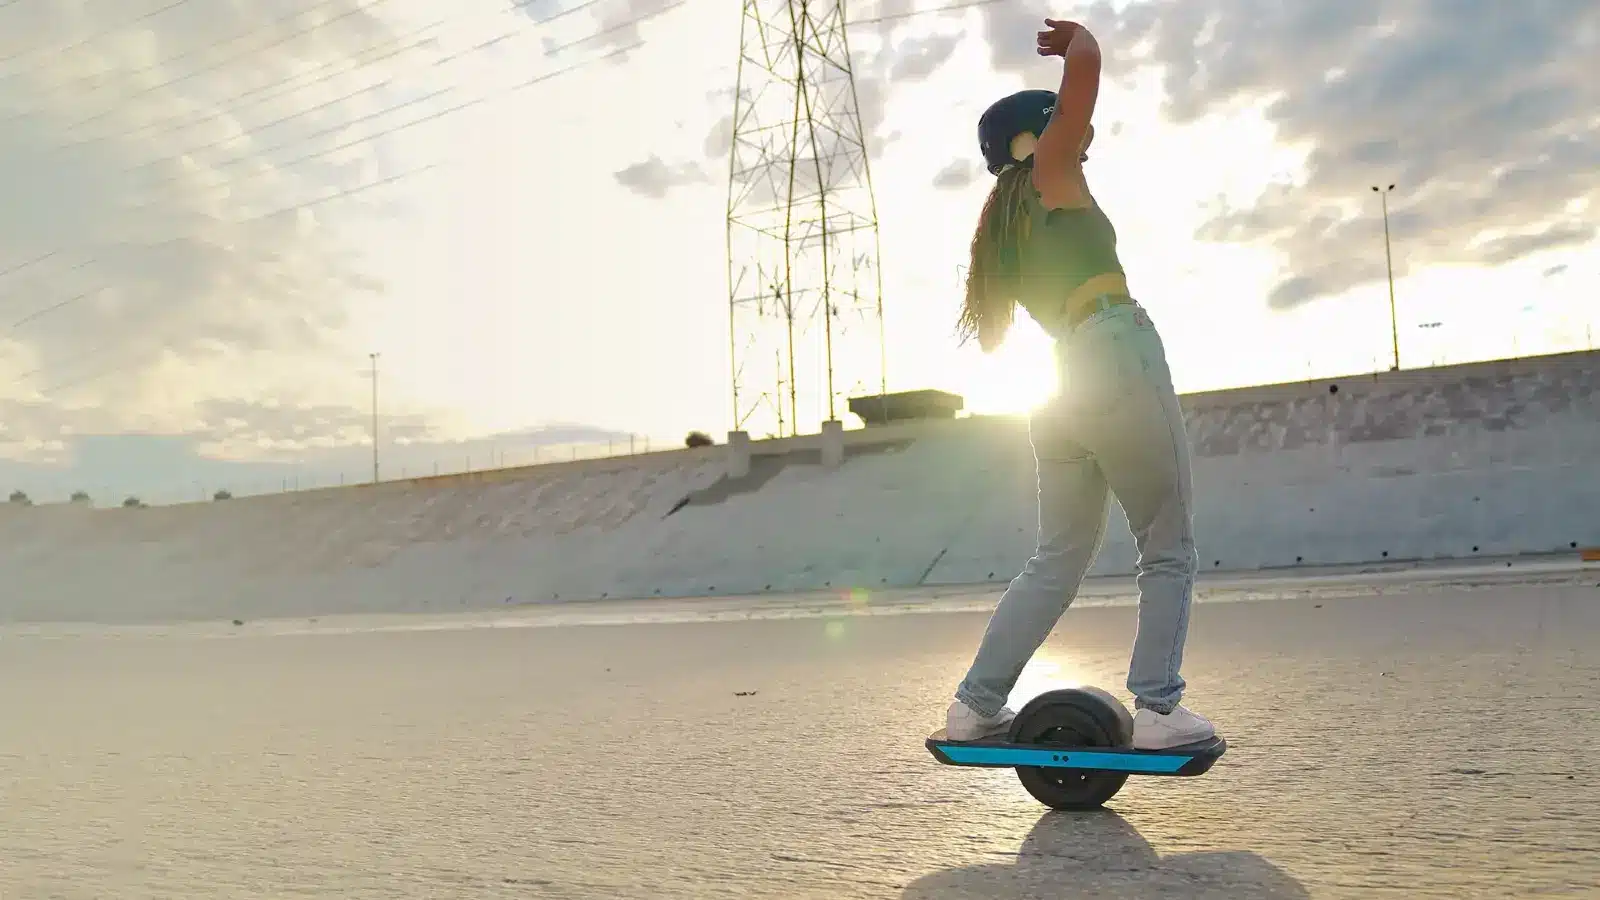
(1100, 303)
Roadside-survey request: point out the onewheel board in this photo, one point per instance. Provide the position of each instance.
(1192, 759)
(1073, 749)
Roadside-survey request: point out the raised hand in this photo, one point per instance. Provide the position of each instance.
(1054, 41)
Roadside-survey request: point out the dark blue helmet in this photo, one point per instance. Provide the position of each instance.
(1024, 111)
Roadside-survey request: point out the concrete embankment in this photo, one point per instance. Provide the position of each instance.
(1464, 462)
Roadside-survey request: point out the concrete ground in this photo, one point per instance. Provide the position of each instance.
(1386, 741)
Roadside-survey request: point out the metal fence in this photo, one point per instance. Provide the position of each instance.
(396, 463)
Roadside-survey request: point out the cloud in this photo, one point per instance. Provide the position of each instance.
(1009, 29)
(596, 27)
(252, 427)
(914, 59)
(619, 23)
(1480, 112)
(252, 449)
(957, 175)
(720, 137)
(173, 179)
(655, 178)
(899, 59)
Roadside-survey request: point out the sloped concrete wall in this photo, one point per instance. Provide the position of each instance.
(1489, 459)
(557, 532)
(1481, 460)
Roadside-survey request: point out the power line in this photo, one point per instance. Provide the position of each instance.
(970, 4)
(545, 77)
(321, 200)
(161, 63)
(224, 63)
(98, 374)
(36, 260)
(388, 48)
(43, 257)
(216, 113)
(411, 102)
(275, 89)
(352, 94)
(97, 35)
(337, 195)
(394, 45)
(454, 57)
(549, 76)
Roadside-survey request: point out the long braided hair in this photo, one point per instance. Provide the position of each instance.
(994, 274)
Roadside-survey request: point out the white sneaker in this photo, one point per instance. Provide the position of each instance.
(1154, 731)
(962, 723)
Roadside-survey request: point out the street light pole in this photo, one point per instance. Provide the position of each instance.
(1388, 258)
(374, 358)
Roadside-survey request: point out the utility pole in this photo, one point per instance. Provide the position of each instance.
(1388, 258)
(778, 401)
(374, 358)
(800, 203)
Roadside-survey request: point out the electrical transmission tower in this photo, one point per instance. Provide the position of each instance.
(804, 289)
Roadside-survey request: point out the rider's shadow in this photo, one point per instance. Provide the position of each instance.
(1100, 855)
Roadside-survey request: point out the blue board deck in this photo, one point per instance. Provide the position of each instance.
(1191, 759)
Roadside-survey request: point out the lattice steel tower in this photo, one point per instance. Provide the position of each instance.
(805, 298)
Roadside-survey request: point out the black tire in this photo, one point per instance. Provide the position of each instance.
(1072, 718)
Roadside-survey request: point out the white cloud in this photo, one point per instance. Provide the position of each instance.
(157, 220)
(1480, 113)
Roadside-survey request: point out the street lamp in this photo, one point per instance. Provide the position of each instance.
(1432, 326)
(1388, 258)
(374, 358)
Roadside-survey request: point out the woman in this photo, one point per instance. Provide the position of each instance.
(1115, 425)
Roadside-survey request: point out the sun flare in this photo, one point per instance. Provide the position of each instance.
(1015, 379)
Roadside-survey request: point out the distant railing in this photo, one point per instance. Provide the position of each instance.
(398, 462)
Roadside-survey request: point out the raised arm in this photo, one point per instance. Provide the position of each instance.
(1058, 155)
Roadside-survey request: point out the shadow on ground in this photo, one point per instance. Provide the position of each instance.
(1102, 855)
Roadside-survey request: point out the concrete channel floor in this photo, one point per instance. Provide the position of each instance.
(1387, 739)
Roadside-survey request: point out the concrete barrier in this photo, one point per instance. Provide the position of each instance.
(1486, 460)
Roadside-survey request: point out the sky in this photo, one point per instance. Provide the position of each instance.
(217, 211)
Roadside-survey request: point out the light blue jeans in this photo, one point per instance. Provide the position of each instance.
(1114, 427)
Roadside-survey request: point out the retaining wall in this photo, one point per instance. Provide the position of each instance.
(1490, 459)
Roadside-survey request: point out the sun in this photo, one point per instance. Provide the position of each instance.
(1017, 378)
